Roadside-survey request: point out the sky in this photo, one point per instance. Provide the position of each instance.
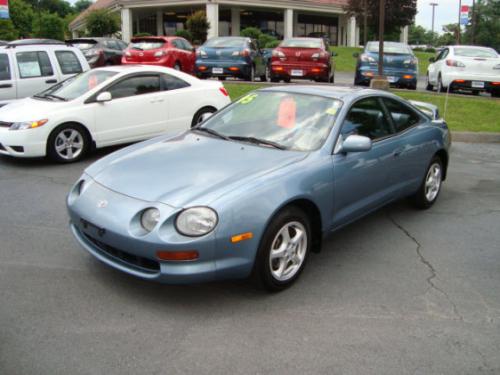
(446, 12)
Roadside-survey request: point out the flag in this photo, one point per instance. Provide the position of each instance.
(4, 9)
(464, 15)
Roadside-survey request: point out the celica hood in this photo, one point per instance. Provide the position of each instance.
(28, 109)
(188, 169)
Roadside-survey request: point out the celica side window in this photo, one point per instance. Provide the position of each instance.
(173, 83)
(402, 116)
(366, 118)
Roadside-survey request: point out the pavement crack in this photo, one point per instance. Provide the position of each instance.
(428, 265)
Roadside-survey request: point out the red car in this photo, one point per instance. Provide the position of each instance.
(172, 52)
(304, 58)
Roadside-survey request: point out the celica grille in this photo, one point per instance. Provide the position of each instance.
(134, 261)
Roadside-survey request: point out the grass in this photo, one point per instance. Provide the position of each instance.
(463, 113)
(345, 62)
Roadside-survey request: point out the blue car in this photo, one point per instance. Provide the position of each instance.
(400, 65)
(255, 188)
(237, 57)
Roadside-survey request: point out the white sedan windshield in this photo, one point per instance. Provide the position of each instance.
(291, 121)
(78, 85)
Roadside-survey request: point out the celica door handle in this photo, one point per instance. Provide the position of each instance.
(51, 81)
(6, 86)
(398, 152)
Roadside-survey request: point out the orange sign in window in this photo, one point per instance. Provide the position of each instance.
(93, 82)
(287, 113)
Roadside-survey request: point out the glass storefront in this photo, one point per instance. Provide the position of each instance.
(313, 25)
(269, 22)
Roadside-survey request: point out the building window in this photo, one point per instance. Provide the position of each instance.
(318, 26)
(145, 24)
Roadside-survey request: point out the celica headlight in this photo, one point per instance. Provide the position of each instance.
(27, 124)
(150, 218)
(196, 221)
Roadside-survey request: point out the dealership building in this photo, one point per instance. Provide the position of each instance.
(285, 18)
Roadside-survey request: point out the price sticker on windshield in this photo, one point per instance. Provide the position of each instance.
(333, 110)
(247, 99)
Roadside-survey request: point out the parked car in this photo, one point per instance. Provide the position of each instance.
(100, 51)
(31, 66)
(3, 42)
(400, 65)
(104, 107)
(229, 56)
(171, 52)
(256, 187)
(304, 58)
(468, 68)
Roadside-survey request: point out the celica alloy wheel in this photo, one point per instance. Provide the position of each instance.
(284, 249)
(67, 143)
(431, 186)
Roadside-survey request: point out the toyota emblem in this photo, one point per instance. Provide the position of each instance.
(102, 204)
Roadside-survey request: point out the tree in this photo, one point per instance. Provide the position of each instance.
(101, 22)
(186, 34)
(487, 30)
(22, 16)
(60, 7)
(81, 5)
(50, 26)
(7, 30)
(398, 13)
(420, 35)
(198, 25)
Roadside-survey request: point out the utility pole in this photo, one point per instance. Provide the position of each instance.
(473, 22)
(381, 38)
(433, 5)
(459, 13)
(365, 22)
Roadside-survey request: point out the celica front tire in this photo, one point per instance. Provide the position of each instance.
(283, 250)
(430, 188)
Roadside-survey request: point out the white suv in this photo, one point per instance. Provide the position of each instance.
(28, 67)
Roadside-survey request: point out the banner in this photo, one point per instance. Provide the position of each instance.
(4, 9)
(464, 15)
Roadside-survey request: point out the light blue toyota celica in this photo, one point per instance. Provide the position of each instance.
(253, 189)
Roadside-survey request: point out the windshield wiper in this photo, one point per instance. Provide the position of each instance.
(55, 97)
(211, 132)
(258, 141)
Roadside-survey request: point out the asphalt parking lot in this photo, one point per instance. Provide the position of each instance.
(399, 292)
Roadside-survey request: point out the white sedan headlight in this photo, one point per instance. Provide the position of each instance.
(196, 221)
(27, 125)
(150, 218)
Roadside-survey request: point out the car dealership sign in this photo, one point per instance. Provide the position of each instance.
(4, 9)
(464, 15)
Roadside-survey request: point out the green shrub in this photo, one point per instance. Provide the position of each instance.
(430, 50)
(184, 34)
(139, 35)
(251, 32)
(101, 22)
(198, 26)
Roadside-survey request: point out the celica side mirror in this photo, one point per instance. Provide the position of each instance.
(104, 97)
(432, 59)
(356, 143)
(355, 55)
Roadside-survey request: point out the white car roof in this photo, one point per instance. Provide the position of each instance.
(38, 47)
(131, 69)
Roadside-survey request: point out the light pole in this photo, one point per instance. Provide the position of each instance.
(365, 22)
(433, 5)
(381, 38)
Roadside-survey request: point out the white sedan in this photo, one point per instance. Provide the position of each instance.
(104, 107)
(465, 68)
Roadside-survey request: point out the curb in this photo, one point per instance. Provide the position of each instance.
(473, 137)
